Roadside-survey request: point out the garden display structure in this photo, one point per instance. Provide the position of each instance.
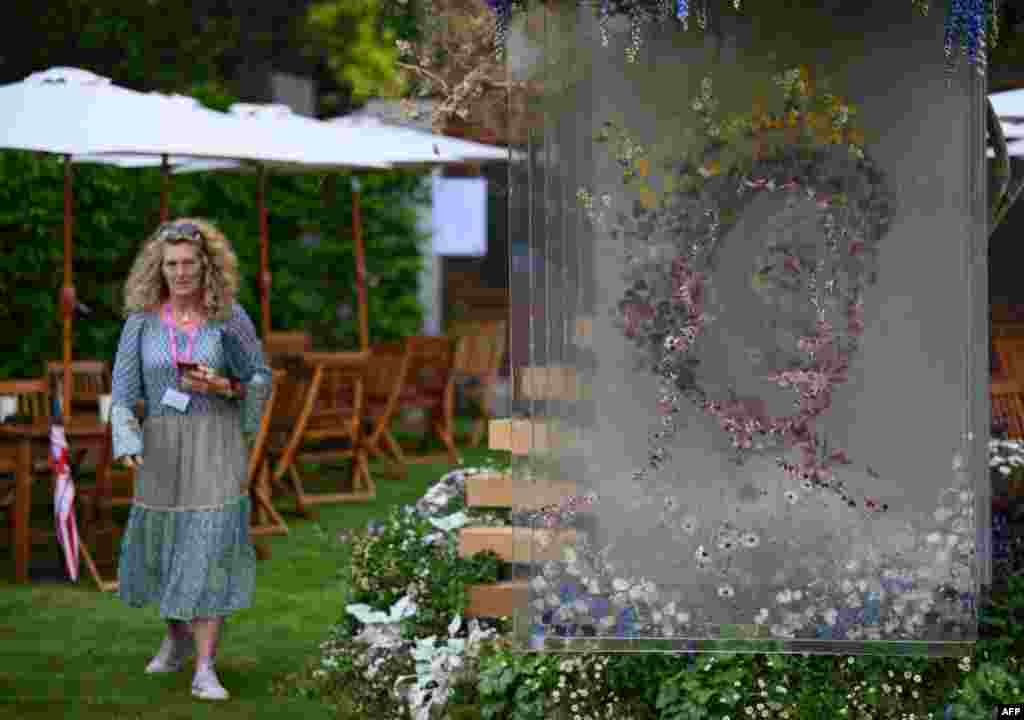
(705, 223)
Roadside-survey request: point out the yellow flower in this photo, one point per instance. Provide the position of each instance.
(792, 118)
(648, 198)
(642, 167)
(836, 137)
(711, 170)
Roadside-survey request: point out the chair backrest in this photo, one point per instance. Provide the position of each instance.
(33, 397)
(479, 347)
(1009, 353)
(1008, 406)
(89, 380)
(287, 343)
(340, 391)
(386, 372)
(429, 374)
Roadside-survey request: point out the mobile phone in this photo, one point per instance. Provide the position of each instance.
(185, 367)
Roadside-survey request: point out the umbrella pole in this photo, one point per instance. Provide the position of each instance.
(68, 292)
(165, 168)
(357, 236)
(261, 191)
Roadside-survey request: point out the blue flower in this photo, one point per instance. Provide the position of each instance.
(896, 585)
(599, 606)
(626, 624)
(568, 593)
(872, 608)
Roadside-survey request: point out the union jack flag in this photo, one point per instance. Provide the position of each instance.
(64, 493)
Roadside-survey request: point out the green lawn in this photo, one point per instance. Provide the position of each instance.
(70, 652)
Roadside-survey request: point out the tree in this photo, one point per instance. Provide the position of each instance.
(359, 46)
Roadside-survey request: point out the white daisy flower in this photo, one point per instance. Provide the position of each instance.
(726, 591)
(791, 497)
(784, 597)
(750, 540)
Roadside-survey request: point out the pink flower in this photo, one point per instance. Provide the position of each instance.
(857, 247)
(792, 185)
(792, 264)
(855, 317)
(636, 314)
(840, 456)
(824, 201)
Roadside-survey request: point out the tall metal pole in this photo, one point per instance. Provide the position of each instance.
(357, 236)
(264, 251)
(165, 170)
(68, 292)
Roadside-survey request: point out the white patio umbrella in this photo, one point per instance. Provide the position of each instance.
(70, 111)
(344, 143)
(1009, 107)
(446, 149)
(315, 147)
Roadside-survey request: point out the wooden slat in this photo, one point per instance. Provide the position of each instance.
(513, 544)
(521, 437)
(499, 490)
(497, 600)
(584, 332)
(548, 383)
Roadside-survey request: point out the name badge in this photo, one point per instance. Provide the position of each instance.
(176, 399)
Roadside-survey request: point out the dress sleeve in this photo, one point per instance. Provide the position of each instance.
(244, 353)
(126, 390)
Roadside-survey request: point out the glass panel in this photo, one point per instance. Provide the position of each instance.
(748, 312)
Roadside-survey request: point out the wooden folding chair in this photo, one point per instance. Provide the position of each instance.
(430, 387)
(383, 385)
(33, 406)
(317, 418)
(265, 519)
(89, 380)
(479, 351)
(1008, 406)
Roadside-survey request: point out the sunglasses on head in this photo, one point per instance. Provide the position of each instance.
(180, 230)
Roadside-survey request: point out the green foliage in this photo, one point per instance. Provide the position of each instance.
(360, 47)
(115, 209)
(152, 45)
(992, 682)
(385, 567)
(514, 686)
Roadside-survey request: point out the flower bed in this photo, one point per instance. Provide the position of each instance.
(403, 649)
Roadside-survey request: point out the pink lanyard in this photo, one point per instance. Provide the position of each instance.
(169, 322)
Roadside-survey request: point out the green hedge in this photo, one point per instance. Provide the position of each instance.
(115, 209)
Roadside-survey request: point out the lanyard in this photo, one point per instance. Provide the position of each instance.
(169, 322)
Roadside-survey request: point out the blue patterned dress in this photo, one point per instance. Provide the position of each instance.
(186, 546)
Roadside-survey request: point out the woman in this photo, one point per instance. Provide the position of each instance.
(187, 544)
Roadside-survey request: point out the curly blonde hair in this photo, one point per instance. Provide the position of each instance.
(145, 290)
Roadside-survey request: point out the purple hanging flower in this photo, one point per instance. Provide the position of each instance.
(966, 23)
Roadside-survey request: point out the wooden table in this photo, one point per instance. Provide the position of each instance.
(82, 432)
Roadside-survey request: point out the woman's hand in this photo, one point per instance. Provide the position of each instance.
(205, 380)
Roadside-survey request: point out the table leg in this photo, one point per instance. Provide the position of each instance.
(23, 511)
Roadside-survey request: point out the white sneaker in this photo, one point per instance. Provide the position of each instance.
(206, 686)
(171, 658)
